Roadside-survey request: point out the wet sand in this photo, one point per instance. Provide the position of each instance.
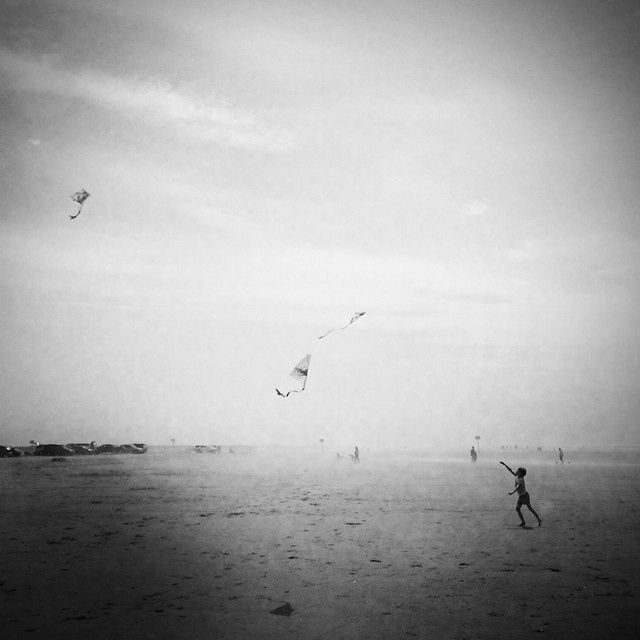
(173, 544)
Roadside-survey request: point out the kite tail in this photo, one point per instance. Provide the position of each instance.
(285, 395)
(77, 213)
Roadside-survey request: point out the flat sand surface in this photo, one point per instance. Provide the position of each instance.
(173, 544)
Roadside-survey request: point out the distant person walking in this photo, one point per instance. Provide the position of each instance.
(474, 455)
(561, 454)
(523, 495)
(356, 454)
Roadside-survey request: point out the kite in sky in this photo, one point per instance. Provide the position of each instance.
(356, 315)
(300, 372)
(79, 197)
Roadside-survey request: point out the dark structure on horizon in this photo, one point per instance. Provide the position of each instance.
(71, 449)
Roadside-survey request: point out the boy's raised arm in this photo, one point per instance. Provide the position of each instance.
(508, 468)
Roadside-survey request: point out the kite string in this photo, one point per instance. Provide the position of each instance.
(356, 316)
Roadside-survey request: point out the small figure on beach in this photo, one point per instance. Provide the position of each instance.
(561, 454)
(474, 455)
(356, 454)
(523, 495)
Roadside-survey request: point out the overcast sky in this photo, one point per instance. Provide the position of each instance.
(467, 173)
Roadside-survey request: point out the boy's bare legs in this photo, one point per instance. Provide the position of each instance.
(535, 514)
(522, 522)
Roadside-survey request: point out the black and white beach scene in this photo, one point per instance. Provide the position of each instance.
(319, 319)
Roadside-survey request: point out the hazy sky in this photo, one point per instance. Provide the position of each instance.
(467, 173)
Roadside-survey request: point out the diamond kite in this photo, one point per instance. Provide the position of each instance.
(79, 197)
(299, 372)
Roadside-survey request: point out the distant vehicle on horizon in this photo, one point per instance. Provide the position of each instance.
(204, 448)
(9, 452)
(82, 448)
(107, 448)
(136, 447)
(53, 450)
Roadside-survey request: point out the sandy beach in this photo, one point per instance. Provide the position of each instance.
(178, 545)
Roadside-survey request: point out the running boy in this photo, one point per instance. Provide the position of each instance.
(523, 495)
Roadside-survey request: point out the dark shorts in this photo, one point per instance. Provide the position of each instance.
(524, 499)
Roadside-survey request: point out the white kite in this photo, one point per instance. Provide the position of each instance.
(356, 315)
(299, 372)
(79, 197)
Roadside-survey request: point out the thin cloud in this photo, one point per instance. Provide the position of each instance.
(153, 99)
(584, 262)
(475, 208)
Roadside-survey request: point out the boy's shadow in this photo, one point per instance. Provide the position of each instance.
(526, 526)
